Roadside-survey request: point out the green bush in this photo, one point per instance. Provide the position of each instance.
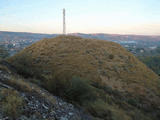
(77, 89)
(80, 90)
(24, 66)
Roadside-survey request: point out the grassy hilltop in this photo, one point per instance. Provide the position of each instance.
(103, 77)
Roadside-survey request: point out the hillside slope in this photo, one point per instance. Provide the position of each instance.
(22, 100)
(106, 67)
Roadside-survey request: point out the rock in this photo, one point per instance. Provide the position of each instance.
(63, 118)
(70, 113)
(45, 106)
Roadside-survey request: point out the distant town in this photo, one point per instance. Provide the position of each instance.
(137, 44)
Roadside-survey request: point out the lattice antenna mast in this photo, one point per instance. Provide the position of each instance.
(64, 22)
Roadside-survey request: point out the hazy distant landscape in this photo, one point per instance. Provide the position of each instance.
(137, 44)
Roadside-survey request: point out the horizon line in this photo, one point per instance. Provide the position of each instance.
(82, 33)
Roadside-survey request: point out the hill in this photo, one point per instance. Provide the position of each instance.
(104, 78)
(119, 37)
(6, 36)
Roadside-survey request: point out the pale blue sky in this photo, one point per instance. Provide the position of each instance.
(86, 16)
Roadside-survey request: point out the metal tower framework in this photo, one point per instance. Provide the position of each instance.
(64, 22)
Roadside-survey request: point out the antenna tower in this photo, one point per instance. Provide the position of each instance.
(64, 21)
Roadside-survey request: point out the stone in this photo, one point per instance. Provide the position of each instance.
(63, 118)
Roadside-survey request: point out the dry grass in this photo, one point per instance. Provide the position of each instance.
(4, 68)
(100, 62)
(11, 103)
(22, 85)
(88, 58)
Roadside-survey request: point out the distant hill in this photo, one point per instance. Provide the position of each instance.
(104, 78)
(119, 37)
(10, 36)
(4, 35)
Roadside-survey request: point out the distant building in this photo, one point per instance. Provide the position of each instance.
(153, 47)
(141, 51)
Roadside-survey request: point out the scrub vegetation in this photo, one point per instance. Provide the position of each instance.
(102, 77)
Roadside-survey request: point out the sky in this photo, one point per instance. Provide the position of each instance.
(82, 16)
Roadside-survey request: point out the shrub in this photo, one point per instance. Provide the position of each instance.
(133, 101)
(77, 89)
(24, 66)
(12, 103)
(99, 109)
(80, 90)
(111, 56)
(103, 110)
(56, 85)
